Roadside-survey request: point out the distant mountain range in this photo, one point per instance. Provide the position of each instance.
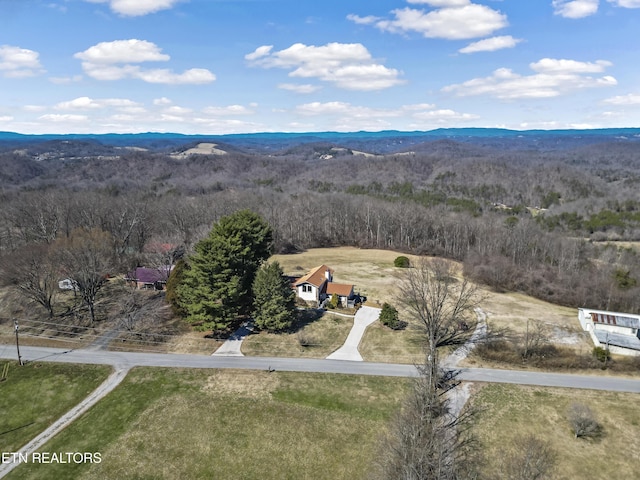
(388, 141)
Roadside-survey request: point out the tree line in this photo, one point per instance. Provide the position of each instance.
(465, 203)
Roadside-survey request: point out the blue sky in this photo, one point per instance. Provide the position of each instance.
(236, 66)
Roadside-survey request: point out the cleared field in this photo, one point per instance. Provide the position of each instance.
(183, 423)
(371, 271)
(374, 275)
(35, 395)
(510, 412)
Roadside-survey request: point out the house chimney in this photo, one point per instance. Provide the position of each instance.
(327, 275)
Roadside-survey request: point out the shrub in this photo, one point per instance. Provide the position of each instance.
(389, 317)
(582, 420)
(306, 339)
(602, 354)
(401, 262)
(334, 302)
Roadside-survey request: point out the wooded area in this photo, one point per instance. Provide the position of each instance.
(522, 219)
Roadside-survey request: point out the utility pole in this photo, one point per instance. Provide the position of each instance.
(15, 322)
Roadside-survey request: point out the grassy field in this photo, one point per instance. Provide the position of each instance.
(35, 395)
(188, 423)
(510, 412)
(371, 271)
(374, 275)
(321, 337)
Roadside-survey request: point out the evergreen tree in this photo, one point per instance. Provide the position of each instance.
(216, 288)
(274, 299)
(175, 279)
(389, 316)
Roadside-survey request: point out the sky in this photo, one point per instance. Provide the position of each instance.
(246, 66)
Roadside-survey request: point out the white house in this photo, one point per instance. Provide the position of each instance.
(619, 332)
(67, 284)
(318, 284)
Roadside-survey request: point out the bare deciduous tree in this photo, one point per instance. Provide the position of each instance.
(428, 440)
(32, 272)
(86, 257)
(530, 458)
(442, 304)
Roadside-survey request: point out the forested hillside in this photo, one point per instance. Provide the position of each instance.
(521, 213)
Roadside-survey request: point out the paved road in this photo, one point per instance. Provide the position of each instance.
(133, 359)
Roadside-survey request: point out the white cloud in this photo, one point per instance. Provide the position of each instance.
(123, 51)
(177, 110)
(228, 110)
(16, 62)
(34, 108)
(117, 60)
(134, 8)
(442, 3)
(624, 100)
(193, 76)
(585, 8)
(63, 118)
(626, 3)
(562, 66)
(344, 116)
(65, 80)
(575, 8)
(346, 65)
(368, 20)
(259, 52)
(6, 118)
(491, 44)
(298, 88)
(553, 78)
(86, 103)
(80, 103)
(443, 115)
(456, 20)
(162, 101)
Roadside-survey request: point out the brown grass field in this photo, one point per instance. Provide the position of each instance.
(191, 423)
(509, 412)
(374, 275)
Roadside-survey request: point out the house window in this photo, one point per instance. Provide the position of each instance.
(306, 288)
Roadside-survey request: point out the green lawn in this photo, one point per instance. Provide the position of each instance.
(188, 423)
(35, 395)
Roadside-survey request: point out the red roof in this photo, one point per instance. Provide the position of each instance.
(315, 277)
(340, 289)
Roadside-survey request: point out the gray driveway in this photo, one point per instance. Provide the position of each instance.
(364, 317)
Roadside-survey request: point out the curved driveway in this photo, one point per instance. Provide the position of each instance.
(134, 359)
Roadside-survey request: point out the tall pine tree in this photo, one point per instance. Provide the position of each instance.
(274, 299)
(216, 288)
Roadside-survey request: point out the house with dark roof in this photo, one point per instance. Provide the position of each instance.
(149, 278)
(318, 284)
(617, 332)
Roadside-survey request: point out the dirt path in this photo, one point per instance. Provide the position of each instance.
(459, 396)
(108, 385)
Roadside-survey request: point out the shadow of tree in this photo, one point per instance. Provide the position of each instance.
(306, 317)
